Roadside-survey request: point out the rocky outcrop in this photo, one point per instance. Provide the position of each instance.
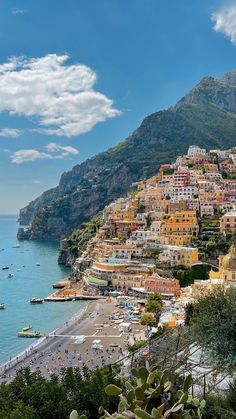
(221, 93)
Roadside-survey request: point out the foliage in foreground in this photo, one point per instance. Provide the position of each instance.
(153, 395)
(30, 396)
(212, 321)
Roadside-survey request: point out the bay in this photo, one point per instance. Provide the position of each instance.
(28, 281)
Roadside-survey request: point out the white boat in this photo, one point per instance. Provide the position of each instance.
(5, 267)
(37, 264)
(16, 246)
(10, 275)
(2, 306)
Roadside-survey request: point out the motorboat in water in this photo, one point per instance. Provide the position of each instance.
(16, 246)
(26, 328)
(10, 275)
(37, 264)
(30, 334)
(35, 300)
(5, 267)
(2, 306)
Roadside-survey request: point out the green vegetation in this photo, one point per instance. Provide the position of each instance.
(29, 396)
(153, 305)
(137, 345)
(186, 276)
(148, 320)
(76, 243)
(212, 321)
(153, 395)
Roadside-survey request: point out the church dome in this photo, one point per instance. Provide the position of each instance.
(229, 261)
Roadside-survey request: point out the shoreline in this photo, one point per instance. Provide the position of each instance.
(22, 356)
(92, 338)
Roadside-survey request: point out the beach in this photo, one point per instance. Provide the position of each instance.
(90, 339)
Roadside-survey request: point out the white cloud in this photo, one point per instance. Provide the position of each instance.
(225, 22)
(60, 97)
(23, 156)
(66, 150)
(53, 151)
(10, 132)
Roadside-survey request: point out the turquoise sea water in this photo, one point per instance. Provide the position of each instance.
(28, 281)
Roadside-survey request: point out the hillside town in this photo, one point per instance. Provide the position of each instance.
(169, 235)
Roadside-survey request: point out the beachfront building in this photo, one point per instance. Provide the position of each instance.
(168, 287)
(132, 276)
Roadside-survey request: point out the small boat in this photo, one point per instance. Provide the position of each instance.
(35, 300)
(16, 246)
(2, 306)
(30, 334)
(10, 275)
(5, 267)
(37, 264)
(26, 328)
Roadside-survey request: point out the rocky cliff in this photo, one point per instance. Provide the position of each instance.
(205, 116)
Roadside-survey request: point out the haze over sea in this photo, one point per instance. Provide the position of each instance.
(28, 281)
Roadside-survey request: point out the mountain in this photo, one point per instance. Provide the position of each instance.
(205, 116)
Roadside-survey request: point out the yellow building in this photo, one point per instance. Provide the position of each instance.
(180, 240)
(226, 275)
(182, 223)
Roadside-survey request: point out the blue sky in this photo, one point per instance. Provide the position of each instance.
(78, 76)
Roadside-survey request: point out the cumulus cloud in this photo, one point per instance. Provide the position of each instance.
(10, 132)
(53, 151)
(59, 97)
(225, 22)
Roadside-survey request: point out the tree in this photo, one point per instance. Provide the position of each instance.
(148, 320)
(154, 305)
(212, 321)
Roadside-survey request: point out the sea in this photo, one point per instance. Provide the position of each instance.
(29, 280)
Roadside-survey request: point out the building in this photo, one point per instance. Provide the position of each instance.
(168, 287)
(228, 223)
(206, 209)
(179, 255)
(194, 151)
(226, 275)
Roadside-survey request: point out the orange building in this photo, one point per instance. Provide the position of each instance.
(165, 286)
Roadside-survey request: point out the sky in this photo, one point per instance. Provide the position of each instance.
(78, 76)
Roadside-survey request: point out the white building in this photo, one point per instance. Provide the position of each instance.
(206, 209)
(194, 150)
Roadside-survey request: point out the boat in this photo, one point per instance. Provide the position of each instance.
(10, 275)
(2, 306)
(26, 328)
(5, 267)
(16, 246)
(37, 264)
(35, 300)
(30, 334)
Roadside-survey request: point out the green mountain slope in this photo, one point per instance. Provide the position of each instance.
(88, 187)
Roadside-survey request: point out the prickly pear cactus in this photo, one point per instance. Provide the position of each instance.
(155, 395)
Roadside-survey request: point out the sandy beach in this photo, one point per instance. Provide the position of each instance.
(90, 339)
